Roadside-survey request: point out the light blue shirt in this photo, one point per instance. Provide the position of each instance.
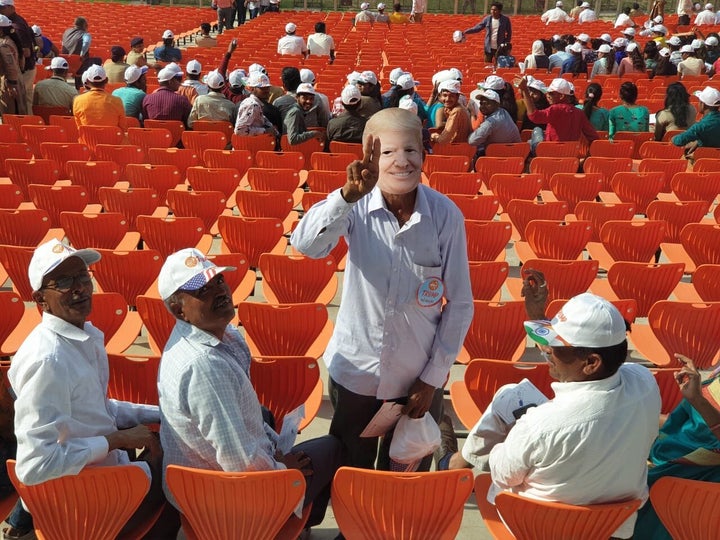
(497, 127)
(384, 339)
(132, 99)
(210, 414)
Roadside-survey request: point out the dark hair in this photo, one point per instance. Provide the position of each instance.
(626, 10)
(507, 100)
(497, 5)
(628, 92)
(677, 101)
(650, 51)
(205, 27)
(320, 27)
(636, 5)
(612, 357)
(290, 77)
(637, 59)
(397, 7)
(664, 66)
(593, 93)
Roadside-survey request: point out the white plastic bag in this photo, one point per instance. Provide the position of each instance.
(458, 36)
(414, 438)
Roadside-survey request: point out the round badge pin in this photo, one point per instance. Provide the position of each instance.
(430, 292)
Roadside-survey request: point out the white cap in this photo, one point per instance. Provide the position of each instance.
(290, 28)
(458, 36)
(658, 19)
(605, 48)
(629, 31)
(237, 77)
(709, 96)
(711, 41)
(307, 76)
(7, 3)
(49, 255)
(493, 82)
(58, 63)
(168, 73)
(457, 74)
(215, 80)
(584, 38)
(709, 6)
(36, 30)
(584, 321)
(394, 74)
(585, 5)
(350, 95)
(607, 38)
(575, 47)
(620, 43)
(95, 74)
(537, 84)
(558, 4)
(660, 29)
(353, 77)
(364, 6)
(440, 76)
(687, 49)
(492, 95)
(257, 80)
(257, 67)
(175, 68)
(450, 86)
(187, 270)
(407, 103)
(674, 41)
(406, 81)
(167, 34)
(381, 6)
(664, 52)
(368, 77)
(4, 21)
(562, 86)
(193, 67)
(697, 43)
(133, 73)
(305, 88)
(631, 47)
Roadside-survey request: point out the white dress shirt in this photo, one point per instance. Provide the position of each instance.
(555, 15)
(384, 339)
(62, 413)
(321, 44)
(589, 445)
(291, 45)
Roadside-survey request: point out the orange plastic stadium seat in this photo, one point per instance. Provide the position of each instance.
(8, 134)
(439, 163)
(158, 321)
(558, 149)
(147, 138)
(487, 240)
(108, 230)
(669, 168)
(487, 167)
(343, 147)
(699, 244)
(522, 212)
(57, 199)
(267, 204)
(161, 178)
(280, 160)
(565, 278)
(206, 205)
(133, 378)
(224, 127)
(34, 135)
(13, 151)
(468, 183)
(67, 122)
(559, 240)
(696, 186)
(325, 161)
(204, 140)
(476, 207)
(180, 158)
(612, 149)
(224, 505)
(660, 150)
(326, 181)
(131, 203)
(635, 241)
(507, 187)
(119, 326)
(130, 273)
(376, 505)
(171, 235)
(13, 310)
(496, 332)
(61, 153)
(288, 180)
(120, 154)
(251, 236)
(175, 127)
(11, 196)
(254, 144)
(598, 213)
(93, 175)
(285, 329)
(546, 167)
(607, 167)
(676, 215)
(19, 120)
(24, 172)
(637, 188)
(487, 278)
(575, 187)
(94, 135)
(637, 137)
(291, 279)
(521, 150)
(685, 507)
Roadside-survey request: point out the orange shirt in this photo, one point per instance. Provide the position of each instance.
(96, 107)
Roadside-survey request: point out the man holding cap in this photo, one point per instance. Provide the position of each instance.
(498, 30)
(457, 126)
(589, 444)
(214, 105)
(211, 416)
(290, 43)
(706, 132)
(115, 66)
(55, 91)
(498, 125)
(96, 107)
(165, 103)
(134, 92)
(63, 418)
(250, 117)
(349, 125)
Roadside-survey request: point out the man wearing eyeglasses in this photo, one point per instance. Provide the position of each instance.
(63, 418)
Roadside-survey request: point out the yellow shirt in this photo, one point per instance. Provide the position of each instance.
(399, 18)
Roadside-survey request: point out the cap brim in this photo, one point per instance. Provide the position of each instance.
(218, 270)
(89, 256)
(542, 332)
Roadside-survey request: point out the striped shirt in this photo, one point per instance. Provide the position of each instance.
(164, 104)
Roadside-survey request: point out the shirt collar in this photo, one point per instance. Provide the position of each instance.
(422, 207)
(65, 329)
(602, 385)
(197, 335)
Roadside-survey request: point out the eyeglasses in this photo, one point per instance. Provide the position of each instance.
(545, 354)
(64, 284)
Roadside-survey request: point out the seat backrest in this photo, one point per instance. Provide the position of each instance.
(521, 150)
(486, 240)
(691, 329)
(607, 166)
(434, 163)
(15, 260)
(487, 166)
(326, 181)
(532, 519)
(669, 168)
(638, 188)
(94, 135)
(507, 187)
(121, 155)
(686, 507)
(522, 212)
(99, 231)
(57, 199)
(477, 207)
(131, 203)
(182, 158)
(646, 283)
(486, 278)
(96, 503)
(133, 378)
(147, 137)
(496, 330)
(636, 241)
(566, 278)
(261, 204)
(376, 505)
(61, 153)
(611, 149)
(289, 279)
(206, 205)
(251, 236)
(24, 172)
(12, 309)
(557, 149)
(254, 144)
(240, 160)
(225, 180)
(707, 165)
(17, 150)
(283, 383)
(546, 167)
(576, 187)
(170, 235)
(670, 393)
(225, 505)
(130, 273)
(274, 179)
(352, 148)
(108, 313)
(280, 160)
(702, 242)
(223, 126)
(93, 175)
(331, 161)
(35, 134)
(560, 240)
(203, 140)
(175, 127)
(676, 215)
(598, 213)
(161, 178)
(696, 186)
(157, 320)
(661, 150)
(455, 182)
(705, 280)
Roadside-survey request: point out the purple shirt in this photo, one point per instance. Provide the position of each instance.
(164, 104)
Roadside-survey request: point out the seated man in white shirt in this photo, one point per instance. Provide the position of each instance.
(63, 418)
(706, 16)
(587, 14)
(321, 44)
(290, 43)
(556, 15)
(589, 444)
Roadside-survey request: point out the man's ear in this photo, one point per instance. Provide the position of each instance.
(39, 299)
(593, 365)
(176, 308)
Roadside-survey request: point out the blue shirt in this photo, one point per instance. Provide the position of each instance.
(498, 127)
(132, 99)
(706, 132)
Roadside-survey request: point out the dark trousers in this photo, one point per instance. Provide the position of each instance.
(241, 12)
(352, 413)
(490, 55)
(325, 454)
(683, 20)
